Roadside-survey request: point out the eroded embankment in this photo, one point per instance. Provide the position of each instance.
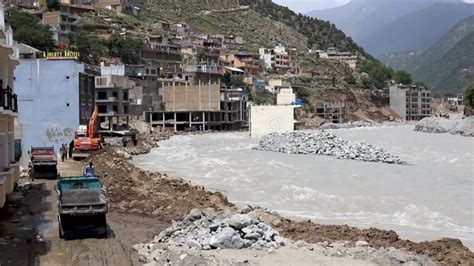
(132, 190)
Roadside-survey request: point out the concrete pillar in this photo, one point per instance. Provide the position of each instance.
(11, 140)
(174, 122)
(4, 160)
(204, 121)
(163, 117)
(190, 120)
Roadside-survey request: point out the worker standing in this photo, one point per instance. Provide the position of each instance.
(124, 141)
(61, 150)
(89, 170)
(71, 148)
(134, 139)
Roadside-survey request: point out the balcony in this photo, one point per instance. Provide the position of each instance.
(8, 100)
(104, 100)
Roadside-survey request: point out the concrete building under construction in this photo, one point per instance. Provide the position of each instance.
(334, 111)
(199, 107)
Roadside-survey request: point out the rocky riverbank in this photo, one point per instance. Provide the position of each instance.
(244, 230)
(458, 126)
(325, 143)
(167, 199)
(356, 124)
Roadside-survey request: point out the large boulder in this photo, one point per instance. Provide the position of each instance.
(239, 221)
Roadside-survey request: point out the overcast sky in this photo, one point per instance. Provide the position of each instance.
(304, 6)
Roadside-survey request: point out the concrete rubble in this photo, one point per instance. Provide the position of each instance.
(325, 143)
(327, 253)
(206, 230)
(459, 126)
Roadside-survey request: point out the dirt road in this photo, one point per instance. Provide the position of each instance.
(29, 231)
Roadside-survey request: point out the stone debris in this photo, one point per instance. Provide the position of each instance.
(356, 124)
(464, 127)
(206, 230)
(325, 143)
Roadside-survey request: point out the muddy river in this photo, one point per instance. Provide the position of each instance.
(430, 198)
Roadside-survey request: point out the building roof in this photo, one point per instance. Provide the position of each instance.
(26, 49)
(234, 69)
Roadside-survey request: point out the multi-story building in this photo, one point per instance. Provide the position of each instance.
(199, 107)
(9, 165)
(249, 63)
(87, 92)
(112, 100)
(55, 103)
(64, 21)
(280, 58)
(410, 102)
(343, 57)
(334, 111)
(275, 85)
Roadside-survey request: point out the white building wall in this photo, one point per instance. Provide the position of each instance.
(48, 97)
(268, 119)
(398, 101)
(112, 70)
(286, 97)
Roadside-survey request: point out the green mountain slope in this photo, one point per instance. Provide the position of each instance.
(447, 66)
(453, 71)
(260, 22)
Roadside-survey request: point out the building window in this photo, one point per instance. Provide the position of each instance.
(101, 81)
(101, 95)
(102, 109)
(115, 108)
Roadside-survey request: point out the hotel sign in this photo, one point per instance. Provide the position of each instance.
(60, 55)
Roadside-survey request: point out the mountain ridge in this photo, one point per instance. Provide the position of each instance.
(387, 26)
(447, 66)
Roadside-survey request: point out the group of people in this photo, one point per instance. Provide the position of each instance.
(66, 150)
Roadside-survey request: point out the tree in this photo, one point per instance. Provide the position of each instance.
(126, 48)
(88, 45)
(230, 80)
(350, 79)
(470, 94)
(402, 77)
(28, 30)
(53, 4)
(378, 73)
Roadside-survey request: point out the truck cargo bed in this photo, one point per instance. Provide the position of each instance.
(82, 207)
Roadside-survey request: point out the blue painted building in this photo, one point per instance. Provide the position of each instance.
(48, 95)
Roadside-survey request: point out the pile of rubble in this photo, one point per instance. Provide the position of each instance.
(356, 124)
(464, 127)
(204, 229)
(325, 143)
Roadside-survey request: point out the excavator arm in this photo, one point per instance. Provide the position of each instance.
(93, 124)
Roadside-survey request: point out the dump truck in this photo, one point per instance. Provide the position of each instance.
(82, 207)
(87, 138)
(44, 162)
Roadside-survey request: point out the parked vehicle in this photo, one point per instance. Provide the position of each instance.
(44, 162)
(82, 207)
